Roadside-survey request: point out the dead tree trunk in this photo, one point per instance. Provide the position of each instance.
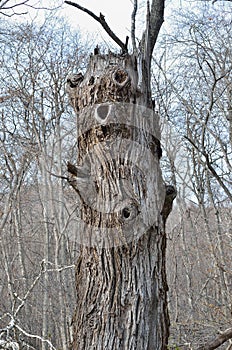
(120, 274)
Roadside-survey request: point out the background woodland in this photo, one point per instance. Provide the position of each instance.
(192, 87)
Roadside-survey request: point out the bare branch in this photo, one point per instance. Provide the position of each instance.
(12, 14)
(156, 21)
(211, 168)
(8, 5)
(23, 300)
(133, 16)
(29, 335)
(219, 340)
(43, 269)
(102, 21)
(4, 3)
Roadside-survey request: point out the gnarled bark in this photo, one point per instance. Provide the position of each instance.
(120, 275)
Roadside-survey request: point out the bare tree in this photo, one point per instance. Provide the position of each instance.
(192, 86)
(11, 8)
(120, 274)
(114, 214)
(35, 125)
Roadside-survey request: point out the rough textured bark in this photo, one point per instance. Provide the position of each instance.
(122, 296)
(120, 275)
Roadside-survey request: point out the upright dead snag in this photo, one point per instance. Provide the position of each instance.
(120, 275)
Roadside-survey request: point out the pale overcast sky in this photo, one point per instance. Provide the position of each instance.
(117, 14)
